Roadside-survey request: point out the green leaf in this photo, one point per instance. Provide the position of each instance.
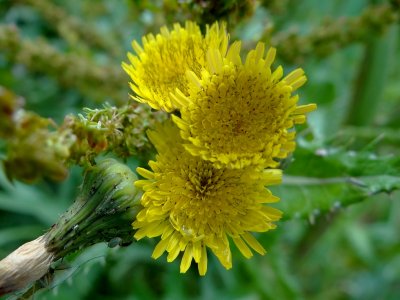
(333, 178)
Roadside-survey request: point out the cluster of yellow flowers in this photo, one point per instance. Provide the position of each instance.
(231, 123)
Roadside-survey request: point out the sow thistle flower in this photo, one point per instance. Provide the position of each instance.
(207, 186)
(237, 114)
(159, 67)
(192, 205)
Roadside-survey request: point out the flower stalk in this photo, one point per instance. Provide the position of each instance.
(335, 34)
(77, 140)
(76, 32)
(69, 69)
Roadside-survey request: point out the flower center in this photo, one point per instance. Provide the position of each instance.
(245, 113)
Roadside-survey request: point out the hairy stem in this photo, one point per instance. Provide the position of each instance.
(28, 263)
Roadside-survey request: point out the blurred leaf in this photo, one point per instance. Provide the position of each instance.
(30, 200)
(28, 232)
(361, 243)
(371, 79)
(322, 92)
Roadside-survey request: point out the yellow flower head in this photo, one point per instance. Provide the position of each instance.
(237, 114)
(192, 205)
(160, 65)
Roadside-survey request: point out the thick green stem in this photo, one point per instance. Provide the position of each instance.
(103, 212)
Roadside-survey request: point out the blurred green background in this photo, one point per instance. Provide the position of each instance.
(339, 238)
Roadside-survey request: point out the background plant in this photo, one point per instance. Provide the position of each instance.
(340, 236)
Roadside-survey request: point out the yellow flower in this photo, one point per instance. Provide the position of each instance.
(237, 114)
(159, 67)
(193, 206)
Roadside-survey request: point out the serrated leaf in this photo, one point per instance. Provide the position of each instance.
(333, 178)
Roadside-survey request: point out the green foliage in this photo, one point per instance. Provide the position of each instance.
(339, 237)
